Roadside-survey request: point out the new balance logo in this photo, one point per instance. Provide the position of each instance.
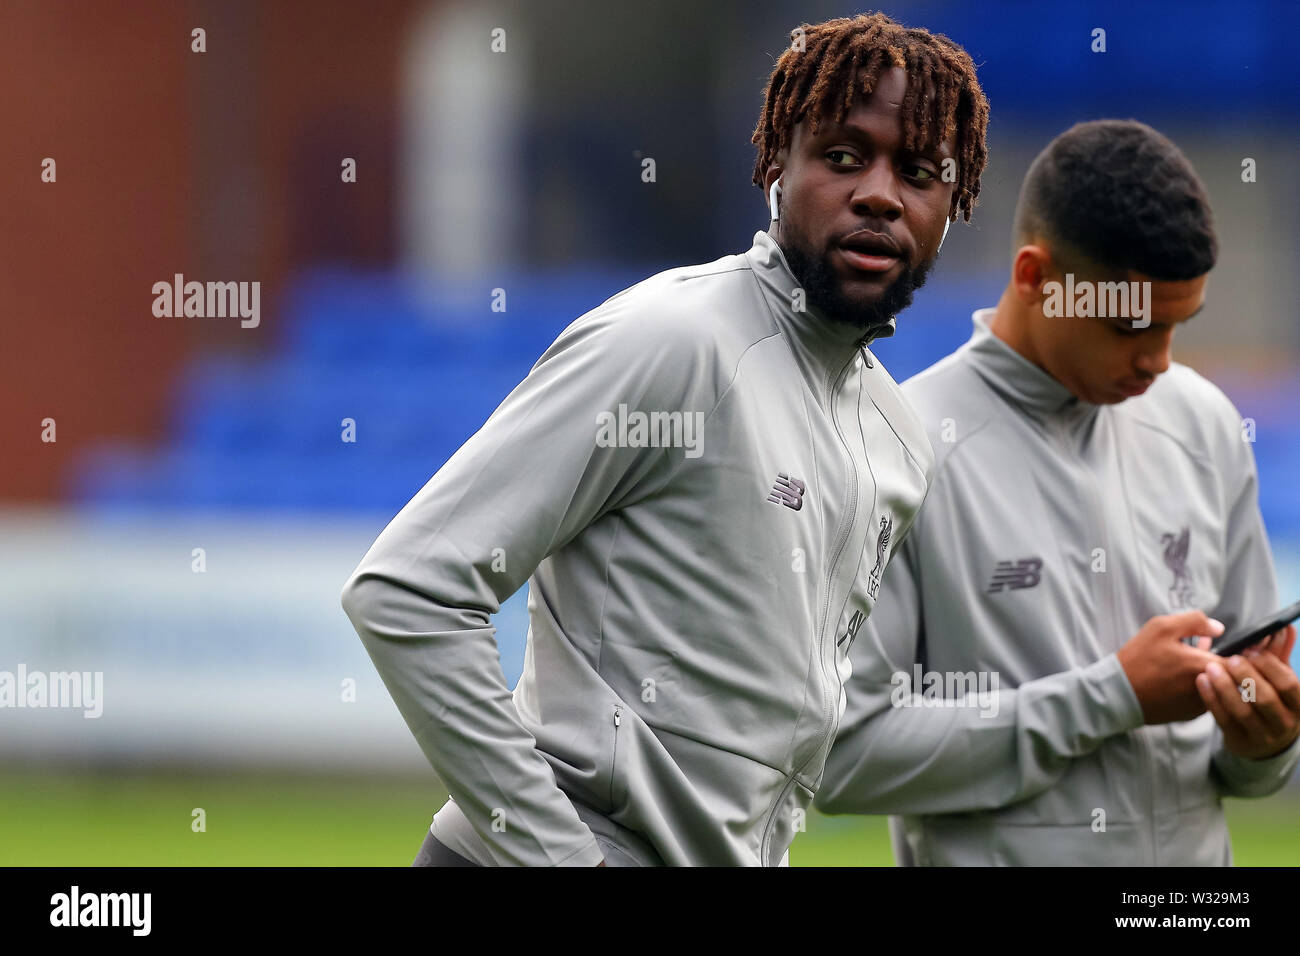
(788, 491)
(855, 622)
(1016, 574)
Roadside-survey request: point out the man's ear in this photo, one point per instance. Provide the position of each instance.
(1031, 267)
(773, 173)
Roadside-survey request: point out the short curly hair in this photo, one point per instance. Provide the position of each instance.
(1119, 195)
(817, 78)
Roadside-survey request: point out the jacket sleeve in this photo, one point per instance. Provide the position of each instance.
(1249, 592)
(526, 483)
(1016, 742)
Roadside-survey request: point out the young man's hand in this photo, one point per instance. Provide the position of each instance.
(1163, 670)
(1255, 697)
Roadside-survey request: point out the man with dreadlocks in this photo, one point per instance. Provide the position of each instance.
(702, 481)
(856, 244)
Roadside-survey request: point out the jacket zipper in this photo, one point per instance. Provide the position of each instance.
(842, 537)
(613, 760)
(1143, 745)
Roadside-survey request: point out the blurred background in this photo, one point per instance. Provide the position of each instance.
(179, 505)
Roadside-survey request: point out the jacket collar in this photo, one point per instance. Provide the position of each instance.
(1019, 380)
(828, 344)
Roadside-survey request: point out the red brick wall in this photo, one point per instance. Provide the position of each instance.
(222, 166)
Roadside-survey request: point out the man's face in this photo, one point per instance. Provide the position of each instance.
(1107, 360)
(860, 216)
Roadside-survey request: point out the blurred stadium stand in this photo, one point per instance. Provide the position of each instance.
(419, 374)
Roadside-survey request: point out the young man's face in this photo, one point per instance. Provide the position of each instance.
(860, 216)
(1107, 360)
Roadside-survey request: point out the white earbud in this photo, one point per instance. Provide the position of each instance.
(946, 224)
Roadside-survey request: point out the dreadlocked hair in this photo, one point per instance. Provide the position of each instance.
(818, 78)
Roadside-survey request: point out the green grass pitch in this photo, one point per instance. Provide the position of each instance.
(144, 819)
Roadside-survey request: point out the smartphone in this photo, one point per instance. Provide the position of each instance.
(1243, 638)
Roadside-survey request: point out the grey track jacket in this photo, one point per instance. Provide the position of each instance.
(690, 606)
(1053, 530)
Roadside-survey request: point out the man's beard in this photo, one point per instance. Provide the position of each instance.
(824, 291)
